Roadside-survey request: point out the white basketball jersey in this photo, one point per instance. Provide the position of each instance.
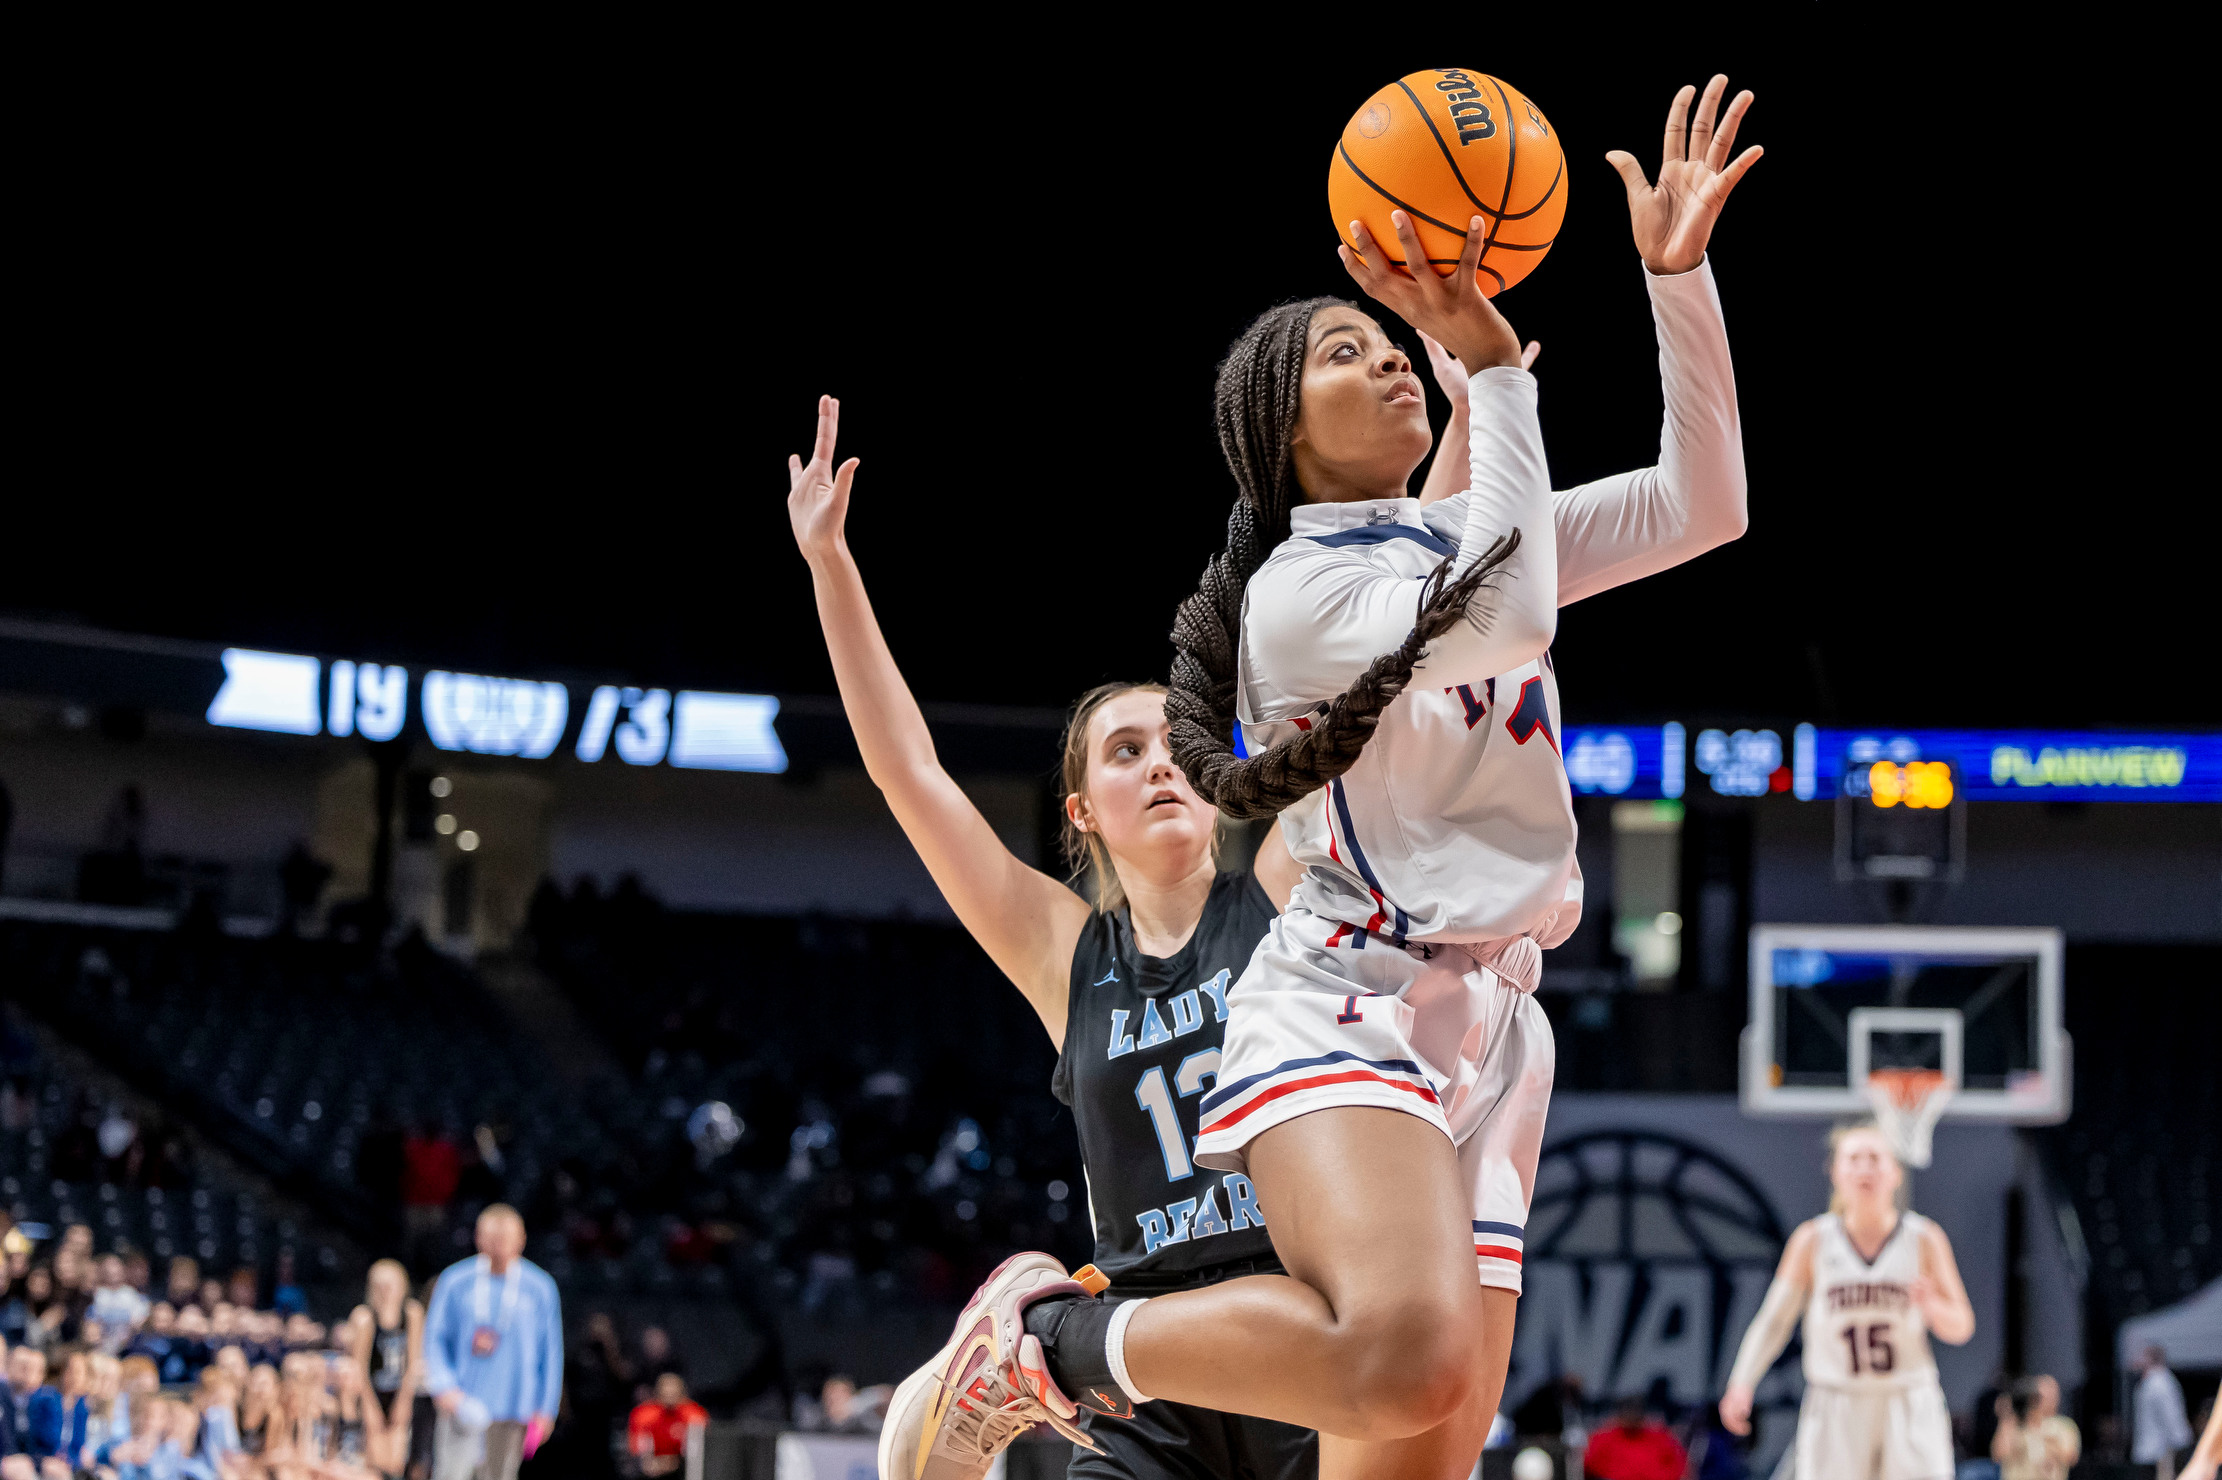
(1862, 1328)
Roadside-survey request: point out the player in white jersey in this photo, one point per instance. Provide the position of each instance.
(1874, 1282)
(1385, 1076)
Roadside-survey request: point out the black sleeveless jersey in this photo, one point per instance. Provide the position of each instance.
(1142, 1039)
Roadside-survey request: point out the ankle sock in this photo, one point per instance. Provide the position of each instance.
(1084, 1340)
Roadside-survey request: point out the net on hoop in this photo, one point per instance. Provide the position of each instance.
(1908, 1103)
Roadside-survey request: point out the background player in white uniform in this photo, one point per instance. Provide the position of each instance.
(1874, 1283)
(1367, 626)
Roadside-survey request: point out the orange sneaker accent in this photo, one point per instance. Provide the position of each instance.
(1091, 1279)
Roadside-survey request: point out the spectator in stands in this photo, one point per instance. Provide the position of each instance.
(104, 1413)
(243, 1289)
(137, 1383)
(2035, 1440)
(849, 1409)
(50, 1324)
(74, 1388)
(217, 1400)
(360, 1443)
(15, 1309)
(657, 1356)
(2162, 1427)
(303, 1334)
(192, 1329)
(598, 1382)
(183, 1284)
(211, 1295)
(286, 1295)
(657, 1431)
(266, 1329)
(130, 1454)
(119, 1308)
(260, 1420)
(1634, 1446)
(493, 1354)
(481, 1168)
(430, 1169)
(30, 1411)
(231, 1360)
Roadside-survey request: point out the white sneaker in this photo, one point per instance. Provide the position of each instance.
(989, 1385)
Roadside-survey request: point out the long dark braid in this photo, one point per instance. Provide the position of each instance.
(1258, 398)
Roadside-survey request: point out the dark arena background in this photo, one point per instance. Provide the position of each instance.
(422, 784)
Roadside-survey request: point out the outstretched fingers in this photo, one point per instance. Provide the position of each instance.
(1708, 108)
(1675, 149)
(1715, 190)
(1725, 140)
(829, 428)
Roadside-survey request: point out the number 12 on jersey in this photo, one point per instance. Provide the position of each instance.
(1881, 1357)
(1155, 1097)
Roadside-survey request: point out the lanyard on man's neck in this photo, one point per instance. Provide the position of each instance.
(482, 1298)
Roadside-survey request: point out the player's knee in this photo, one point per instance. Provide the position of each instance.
(1412, 1365)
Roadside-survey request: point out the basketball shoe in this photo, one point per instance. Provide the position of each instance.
(990, 1384)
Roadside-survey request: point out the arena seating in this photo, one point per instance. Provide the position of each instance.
(897, 1129)
(158, 1197)
(2140, 1159)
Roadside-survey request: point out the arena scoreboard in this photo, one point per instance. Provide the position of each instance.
(1912, 768)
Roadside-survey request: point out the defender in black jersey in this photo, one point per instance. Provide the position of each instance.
(1133, 989)
(1142, 1039)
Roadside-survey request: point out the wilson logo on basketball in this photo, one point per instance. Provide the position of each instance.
(1466, 109)
(1445, 145)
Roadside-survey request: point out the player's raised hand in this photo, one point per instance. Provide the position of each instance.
(1452, 308)
(1673, 219)
(817, 492)
(1451, 376)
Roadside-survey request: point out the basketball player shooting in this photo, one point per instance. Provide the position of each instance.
(1386, 1072)
(1874, 1283)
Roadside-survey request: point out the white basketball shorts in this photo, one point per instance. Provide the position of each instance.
(1328, 1015)
(1901, 1433)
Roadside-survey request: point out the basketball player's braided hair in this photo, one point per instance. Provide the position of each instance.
(1259, 395)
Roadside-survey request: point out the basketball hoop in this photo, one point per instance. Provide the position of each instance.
(1908, 1103)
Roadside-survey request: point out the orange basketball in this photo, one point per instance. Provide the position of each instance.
(1448, 145)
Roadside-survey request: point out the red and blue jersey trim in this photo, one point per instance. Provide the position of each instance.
(1256, 1091)
(1498, 1241)
(1384, 913)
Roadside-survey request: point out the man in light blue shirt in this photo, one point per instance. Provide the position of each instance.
(493, 1355)
(2162, 1428)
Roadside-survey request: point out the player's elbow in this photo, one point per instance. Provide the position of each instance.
(1529, 629)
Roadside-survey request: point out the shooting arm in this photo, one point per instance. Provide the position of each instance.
(1632, 525)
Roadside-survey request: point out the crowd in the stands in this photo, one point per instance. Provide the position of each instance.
(113, 1372)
